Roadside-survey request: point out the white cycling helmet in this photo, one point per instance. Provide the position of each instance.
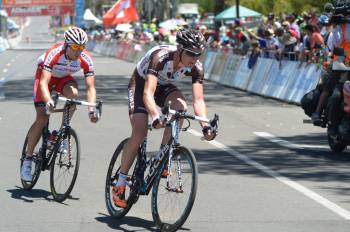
(75, 35)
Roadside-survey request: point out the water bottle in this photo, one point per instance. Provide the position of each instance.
(51, 140)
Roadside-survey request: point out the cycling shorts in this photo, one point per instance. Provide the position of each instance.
(55, 83)
(135, 94)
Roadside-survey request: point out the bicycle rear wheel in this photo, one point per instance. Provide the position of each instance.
(173, 197)
(36, 164)
(131, 194)
(64, 167)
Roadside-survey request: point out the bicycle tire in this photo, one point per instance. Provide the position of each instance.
(60, 161)
(112, 176)
(164, 225)
(37, 161)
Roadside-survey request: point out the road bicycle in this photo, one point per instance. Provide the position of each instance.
(173, 196)
(63, 165)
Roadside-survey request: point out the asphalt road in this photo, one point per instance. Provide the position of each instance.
(266, 171)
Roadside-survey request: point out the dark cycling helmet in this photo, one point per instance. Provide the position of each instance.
(190, 39)
(75, 35)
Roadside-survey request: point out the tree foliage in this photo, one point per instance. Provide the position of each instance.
(264, 6)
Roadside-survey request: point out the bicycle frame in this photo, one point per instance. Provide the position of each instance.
(144, 185)
(48, 158)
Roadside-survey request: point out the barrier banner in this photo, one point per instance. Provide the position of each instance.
(119, 51)
(218, 66)
(208, 63)
(259, 75)
(307, 80)
(242, 76)
(125, 51)
(279, 75)
(230, 69)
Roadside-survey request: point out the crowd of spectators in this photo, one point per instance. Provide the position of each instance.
(292, 37)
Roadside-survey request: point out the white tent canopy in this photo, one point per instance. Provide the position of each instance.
(89, 16)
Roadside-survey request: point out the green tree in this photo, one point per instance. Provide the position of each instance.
(264, 6)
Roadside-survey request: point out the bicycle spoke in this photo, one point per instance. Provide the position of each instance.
(64, 169)
(174, 195)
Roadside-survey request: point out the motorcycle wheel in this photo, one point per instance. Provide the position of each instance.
(335, 145)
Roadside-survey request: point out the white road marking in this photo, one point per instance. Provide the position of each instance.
(307, 192)
(287, 144)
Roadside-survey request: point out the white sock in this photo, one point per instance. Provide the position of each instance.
(122, 179)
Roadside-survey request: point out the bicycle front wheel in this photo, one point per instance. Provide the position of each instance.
(173, 197)
(36, 164)
(64, 166)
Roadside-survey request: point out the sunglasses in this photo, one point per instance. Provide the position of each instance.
(192, 53)
(76, 47)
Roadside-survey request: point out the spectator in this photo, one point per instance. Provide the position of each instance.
(316, 42)
(254, 54)
(287, 44)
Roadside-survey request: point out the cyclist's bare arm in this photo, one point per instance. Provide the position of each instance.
(44, 85)
(91, 91)
(199, 105)
(148, 95)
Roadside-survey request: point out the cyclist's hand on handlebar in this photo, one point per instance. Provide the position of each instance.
(209, 133)
(157, 123)
(50, 107)
(94, 116)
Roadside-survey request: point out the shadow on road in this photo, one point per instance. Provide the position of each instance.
(34, 194)
(30, 195)
(132, 222)
(296, 164)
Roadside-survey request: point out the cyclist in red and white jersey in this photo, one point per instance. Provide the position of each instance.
(54, 71)
(152, 84)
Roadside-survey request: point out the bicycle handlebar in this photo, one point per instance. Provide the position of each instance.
(98, 104)
(166, 111)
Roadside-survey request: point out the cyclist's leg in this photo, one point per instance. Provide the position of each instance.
(167, 93)
(41, 116)
(139, 120)
(35, 130)
(139, 123)
(69, 88)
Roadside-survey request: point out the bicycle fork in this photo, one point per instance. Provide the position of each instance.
(178, 188)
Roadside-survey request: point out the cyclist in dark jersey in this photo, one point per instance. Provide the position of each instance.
(151, 85)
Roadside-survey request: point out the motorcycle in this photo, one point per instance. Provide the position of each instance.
(338, 138)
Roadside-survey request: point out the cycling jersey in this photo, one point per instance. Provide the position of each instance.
(55, 61)
(159, 61)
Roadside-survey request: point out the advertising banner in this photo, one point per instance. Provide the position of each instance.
(208, 63)
(20, 3)
(259, 75)
(306, 80)
(218, 66)
(279, 76)
(39, 10)
(230, 69)
(242, 75)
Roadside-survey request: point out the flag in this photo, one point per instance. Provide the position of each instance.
(123, 11)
